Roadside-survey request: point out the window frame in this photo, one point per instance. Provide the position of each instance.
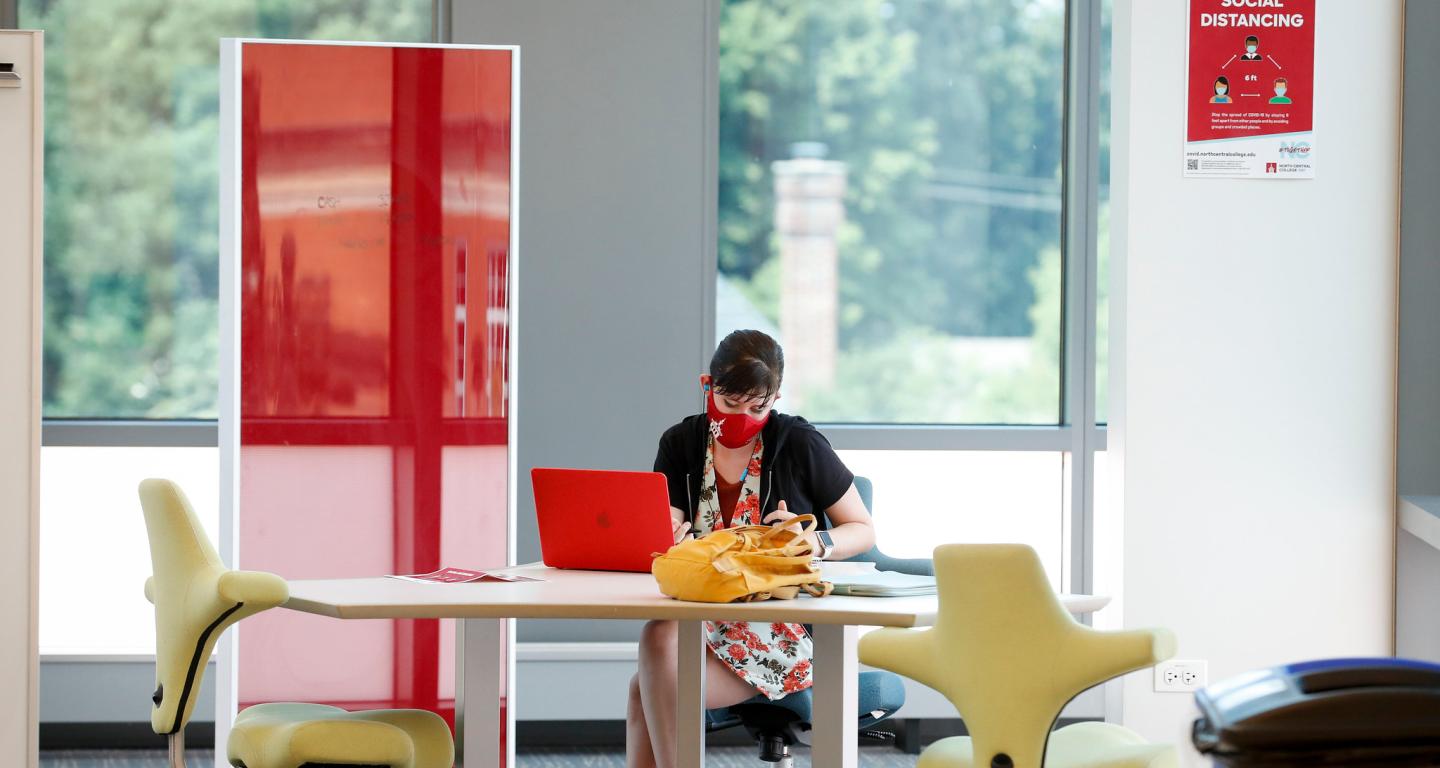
(1077, 435)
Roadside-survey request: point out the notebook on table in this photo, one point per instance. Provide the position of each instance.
(883, 584)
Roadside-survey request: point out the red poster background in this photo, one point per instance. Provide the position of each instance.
(1216, 51)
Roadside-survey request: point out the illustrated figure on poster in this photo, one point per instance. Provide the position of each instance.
(1281, 86)
(1252, 49)
(1222, 91)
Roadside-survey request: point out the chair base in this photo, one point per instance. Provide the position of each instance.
(780, 724)
(1082, 745)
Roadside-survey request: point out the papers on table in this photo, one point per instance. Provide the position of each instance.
(831, 570)
(458, 576)
(883, 584)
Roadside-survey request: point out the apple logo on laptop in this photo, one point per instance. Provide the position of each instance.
(603, 520)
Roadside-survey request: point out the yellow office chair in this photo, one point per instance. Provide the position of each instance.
(195, 599)
(1009, 657)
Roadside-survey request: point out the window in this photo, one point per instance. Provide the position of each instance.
(131, 279)
(131, 201)
(890, 203)
(94, 556)
(923, 497)
(913, 199)
(1102, 245)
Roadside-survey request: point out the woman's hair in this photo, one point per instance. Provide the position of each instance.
(747, 363)
(1221, 80)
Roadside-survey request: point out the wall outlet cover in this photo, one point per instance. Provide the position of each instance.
(1180, 676)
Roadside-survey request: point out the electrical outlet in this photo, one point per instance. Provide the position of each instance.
(1180, 675)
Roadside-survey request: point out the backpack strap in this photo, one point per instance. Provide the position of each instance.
(785, 527)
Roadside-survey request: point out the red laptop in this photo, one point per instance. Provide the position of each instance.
(600, 520)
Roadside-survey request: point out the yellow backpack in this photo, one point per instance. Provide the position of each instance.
(750, 562)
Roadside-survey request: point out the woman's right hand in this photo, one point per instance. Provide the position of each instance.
(680, 529)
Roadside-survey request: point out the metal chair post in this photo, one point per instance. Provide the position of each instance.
(177, 749)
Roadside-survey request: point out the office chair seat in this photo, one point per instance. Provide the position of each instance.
(286, 735)
(1082, 745)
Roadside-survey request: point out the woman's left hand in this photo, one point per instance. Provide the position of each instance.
(779, 519)
(779, 516)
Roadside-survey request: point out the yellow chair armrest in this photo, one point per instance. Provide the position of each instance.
(256, 589)
(1111, 654)
(906, 652)
(1163, 646)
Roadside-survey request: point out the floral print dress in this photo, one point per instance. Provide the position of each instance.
(774, 658)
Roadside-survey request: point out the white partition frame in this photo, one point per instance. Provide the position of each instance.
(227, 649)
(22, 149)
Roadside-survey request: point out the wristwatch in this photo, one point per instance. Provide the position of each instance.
(827, 544)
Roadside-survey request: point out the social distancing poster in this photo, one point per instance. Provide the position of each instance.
(1251, 87)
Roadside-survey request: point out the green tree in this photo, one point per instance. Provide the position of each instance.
(132, 208)
(796, 71)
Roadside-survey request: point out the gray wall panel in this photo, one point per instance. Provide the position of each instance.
(1418, 461)
(616, 200)
(117, 691)
(109, 692)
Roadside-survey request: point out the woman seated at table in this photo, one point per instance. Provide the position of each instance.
(741, 463)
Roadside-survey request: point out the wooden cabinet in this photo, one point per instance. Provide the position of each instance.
(21, 150)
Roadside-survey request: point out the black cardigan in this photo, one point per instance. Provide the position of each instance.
(799, 467)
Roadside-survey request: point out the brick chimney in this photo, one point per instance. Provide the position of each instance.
(809, 209)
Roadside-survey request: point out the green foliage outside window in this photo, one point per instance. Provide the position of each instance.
(132, 201)
(948, 115)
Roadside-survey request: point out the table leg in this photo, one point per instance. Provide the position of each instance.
(690, 701)
(836, 709)
(484, 724)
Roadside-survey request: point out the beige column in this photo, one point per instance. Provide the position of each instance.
(21, 149)
(809, 210)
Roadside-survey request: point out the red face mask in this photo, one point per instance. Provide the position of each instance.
(732, 430)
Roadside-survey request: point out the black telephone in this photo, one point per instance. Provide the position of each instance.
(1378, 711)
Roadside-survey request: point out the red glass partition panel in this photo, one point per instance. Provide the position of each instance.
(374, 311)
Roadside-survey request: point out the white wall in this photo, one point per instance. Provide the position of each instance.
(20, 234)
(1253, 366)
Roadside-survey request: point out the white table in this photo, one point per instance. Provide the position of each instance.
(484, 611)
